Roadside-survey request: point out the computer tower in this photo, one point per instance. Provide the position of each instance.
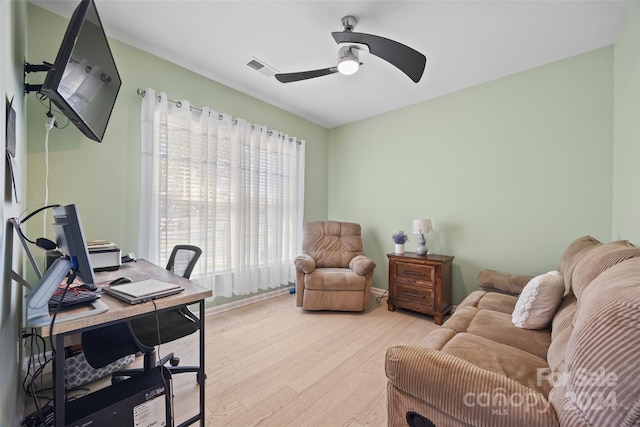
(143, 400)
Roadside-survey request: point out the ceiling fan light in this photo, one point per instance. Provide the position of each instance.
(348, 61)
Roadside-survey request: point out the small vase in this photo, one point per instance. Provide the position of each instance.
(399, 248)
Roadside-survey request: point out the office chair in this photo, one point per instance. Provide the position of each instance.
(144, 333)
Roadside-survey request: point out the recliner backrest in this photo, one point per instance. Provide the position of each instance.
(332, 243)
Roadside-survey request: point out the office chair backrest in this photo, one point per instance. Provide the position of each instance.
(183, 259)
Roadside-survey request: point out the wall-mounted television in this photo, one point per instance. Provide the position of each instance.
(84, 81)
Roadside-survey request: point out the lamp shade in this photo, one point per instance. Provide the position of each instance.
(421, 226)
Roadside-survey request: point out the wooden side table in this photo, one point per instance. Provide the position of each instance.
(420, 283)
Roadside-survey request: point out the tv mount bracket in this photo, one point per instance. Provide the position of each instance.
(34, 68)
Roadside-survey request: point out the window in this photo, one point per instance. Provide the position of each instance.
(232, 188)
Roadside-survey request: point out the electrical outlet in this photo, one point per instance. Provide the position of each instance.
(51, 122)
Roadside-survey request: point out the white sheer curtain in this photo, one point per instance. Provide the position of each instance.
(232, 188)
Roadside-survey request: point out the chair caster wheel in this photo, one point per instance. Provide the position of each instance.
(175, 361)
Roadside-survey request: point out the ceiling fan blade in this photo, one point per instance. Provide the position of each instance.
(304, 75)
(409, 61)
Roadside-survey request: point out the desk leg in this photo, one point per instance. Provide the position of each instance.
(202, 365)
(58, 382)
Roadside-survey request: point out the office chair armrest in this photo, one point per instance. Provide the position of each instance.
(362, 265)
(305, 263)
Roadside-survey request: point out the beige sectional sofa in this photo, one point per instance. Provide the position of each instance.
(581, 369)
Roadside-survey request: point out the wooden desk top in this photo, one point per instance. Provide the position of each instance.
(118, 310)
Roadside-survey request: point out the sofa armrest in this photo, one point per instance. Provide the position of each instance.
(464, 391)
(305, 263)
(362, 265)
(497, 281)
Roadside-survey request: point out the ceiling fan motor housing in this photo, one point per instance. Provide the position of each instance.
(348, 22)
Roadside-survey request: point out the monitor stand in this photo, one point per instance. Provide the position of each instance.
(38, 296)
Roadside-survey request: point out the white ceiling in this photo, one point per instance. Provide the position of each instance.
(466, 43)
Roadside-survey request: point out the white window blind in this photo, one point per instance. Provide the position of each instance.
(232, 188)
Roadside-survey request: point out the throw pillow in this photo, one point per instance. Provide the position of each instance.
(539, 301)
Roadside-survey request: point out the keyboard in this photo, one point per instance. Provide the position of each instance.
(72, 297)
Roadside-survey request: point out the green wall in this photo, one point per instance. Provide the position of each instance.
(626, 166)
(510, 171)
(103, 179)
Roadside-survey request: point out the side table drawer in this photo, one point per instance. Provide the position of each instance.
(409, 296)
(414, 273)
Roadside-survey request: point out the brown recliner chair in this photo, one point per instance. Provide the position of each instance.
(332, 273)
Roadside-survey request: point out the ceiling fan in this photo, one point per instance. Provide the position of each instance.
(406, 59)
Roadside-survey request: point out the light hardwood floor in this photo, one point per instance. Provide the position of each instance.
(273, 364)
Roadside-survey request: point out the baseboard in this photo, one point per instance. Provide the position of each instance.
(246, 301)
(378, 291)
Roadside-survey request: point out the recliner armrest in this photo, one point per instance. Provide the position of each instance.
(463, 391)
(305, 263)
(362, 265)
(497, 281)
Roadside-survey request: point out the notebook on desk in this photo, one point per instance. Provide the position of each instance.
(146, 290)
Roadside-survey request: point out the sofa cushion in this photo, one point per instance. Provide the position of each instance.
(564, 315)
(558, 350)
(503, 359)
(572, 255)
(561, 328)
(461, 319)
(601, 386)
(495, 301)
(598, 259)
(492, 325)
(497, 327)
(539, 301)
(498, 281)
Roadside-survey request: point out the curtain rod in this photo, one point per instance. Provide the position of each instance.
(142, 93)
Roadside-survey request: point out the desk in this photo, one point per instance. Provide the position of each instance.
(119, 311)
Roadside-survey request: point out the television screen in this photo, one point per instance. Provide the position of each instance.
(84, 81)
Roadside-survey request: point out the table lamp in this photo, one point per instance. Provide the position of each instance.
(421, 226)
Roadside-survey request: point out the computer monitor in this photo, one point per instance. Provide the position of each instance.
(75, 260)
(71, 242)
